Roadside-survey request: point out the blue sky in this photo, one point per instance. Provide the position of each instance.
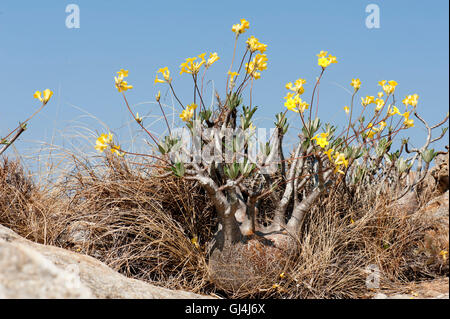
(37, 51)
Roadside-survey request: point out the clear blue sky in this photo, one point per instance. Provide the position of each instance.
(37, 51)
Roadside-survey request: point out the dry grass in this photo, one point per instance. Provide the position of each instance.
(142, 226)
(23, 207)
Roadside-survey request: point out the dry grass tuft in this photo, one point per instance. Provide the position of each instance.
(23, 206)
(142, 226)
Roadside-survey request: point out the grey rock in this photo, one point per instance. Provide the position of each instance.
(401, 296)
(437, 208)
(31, 270)
(380, 296)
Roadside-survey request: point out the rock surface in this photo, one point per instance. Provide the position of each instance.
(437, 208)
(435, 289)
(31, 270)
(440, 173)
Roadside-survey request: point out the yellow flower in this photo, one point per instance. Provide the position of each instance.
(189, 66)
(356, 83)
(122, 85)
(240, 28)
(380, 103)
(38, 95)
(188, 113)
(332, 58)
(158, 96)
(297, 87)
(115, 149)
(414, 99)
(254, 45)
(392, 110)
(411, 100)
(166, 75)
(302, 105)
(47, 95)
(324, 61)
(100, 147)
(259, 63)
(367, 100)
(382, 125)
(123, 73)
(388, 88)
(103, 141)
(232, 75)
(157, 80)
(295, 103)
(213, 57)
(329, 154)
(138, 118)
(262, 47)
(256, 75)
(282, 275)
(322, 140)
(346, 109)
(339, 160)
(371, 133)
(194, 241)
(444, 254)
(408, 122)
(192, 106)
(393, 83)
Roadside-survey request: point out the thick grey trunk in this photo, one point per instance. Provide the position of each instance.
(300, 211)
(280, 212)
(305, 205)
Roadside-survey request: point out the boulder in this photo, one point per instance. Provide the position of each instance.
(31, 270)
(437, 208)
(439, 173)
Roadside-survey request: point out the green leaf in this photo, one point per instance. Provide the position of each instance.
(178, 169)
(428, 155)
(402, 165)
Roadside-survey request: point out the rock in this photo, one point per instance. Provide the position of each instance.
(407, 204)
(437, 208)
(433, 289)
(78, 233)
(31, 270)
(25, 273)
(380, 296)
(410, 296)
(440, 173)
(401, 296)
